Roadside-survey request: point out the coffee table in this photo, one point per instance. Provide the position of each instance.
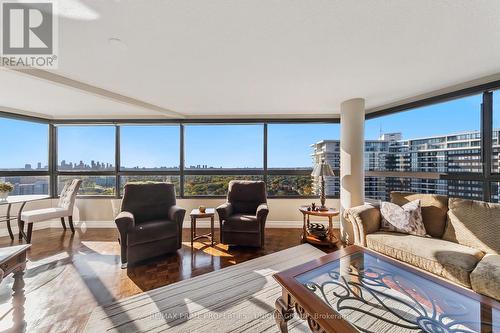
(359, 290)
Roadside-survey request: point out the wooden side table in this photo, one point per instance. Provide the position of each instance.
(307, 237)
(196, 214)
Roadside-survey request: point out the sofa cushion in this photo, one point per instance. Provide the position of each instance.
(485, 279)
(151, 231)
(452, 261)
(434, 209)
(406, 219)
(475, 224)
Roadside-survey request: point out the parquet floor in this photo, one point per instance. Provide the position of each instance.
(69, 275)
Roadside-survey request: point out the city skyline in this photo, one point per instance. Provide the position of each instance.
(98, 165)
(453, 152)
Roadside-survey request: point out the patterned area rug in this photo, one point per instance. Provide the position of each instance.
(234, 299)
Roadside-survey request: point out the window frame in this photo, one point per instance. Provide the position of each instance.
(183, 171)
(26, 173)
(486, 177)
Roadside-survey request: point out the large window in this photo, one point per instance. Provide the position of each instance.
(224, 146)
(87, 152)
(195, 185)
(293, 150)
(91, 185)
(495, 191)
(86, 148)
(24, 185)
(291, 146)
(436, 148)
(25, 156)
(149, 148)
(25, 145)
(496, 133)
(289, 185)
(213, 150)
(151, 179)
(433, 149)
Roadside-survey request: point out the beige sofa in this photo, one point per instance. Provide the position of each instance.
(463, 242)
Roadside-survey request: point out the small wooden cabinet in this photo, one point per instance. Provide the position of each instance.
(307, 237)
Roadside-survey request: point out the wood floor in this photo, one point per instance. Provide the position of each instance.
(69, 275)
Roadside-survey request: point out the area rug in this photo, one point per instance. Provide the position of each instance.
(239, 298)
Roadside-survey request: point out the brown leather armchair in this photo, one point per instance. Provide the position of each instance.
(150, 223)
(243, 216)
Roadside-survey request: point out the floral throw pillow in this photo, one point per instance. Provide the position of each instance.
(406, 219)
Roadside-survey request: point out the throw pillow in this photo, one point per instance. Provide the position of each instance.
(406, 219)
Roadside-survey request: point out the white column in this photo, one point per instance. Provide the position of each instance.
(352, 178)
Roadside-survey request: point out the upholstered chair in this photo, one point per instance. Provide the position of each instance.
(243, 216)
(64, 209)
(150, 223)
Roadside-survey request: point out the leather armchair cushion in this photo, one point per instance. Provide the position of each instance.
(225, 210)
(151, 231)
(148, 201)
(245, 207)
(241, 223)
(246, 196)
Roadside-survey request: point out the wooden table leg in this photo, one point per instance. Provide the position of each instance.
(192, 231)
(18, 300)
(9, 206)
(212, 230)
(19, 222)
(330, 231)
(304, 231)
(194, 227)
(283, 312)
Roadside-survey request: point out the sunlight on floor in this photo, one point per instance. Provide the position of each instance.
(45, 261)
(102, 247)
(217, 250)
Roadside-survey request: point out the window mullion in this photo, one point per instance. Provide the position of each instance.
(53, 160)
(181, 160)
(117, 162)
(487, 142)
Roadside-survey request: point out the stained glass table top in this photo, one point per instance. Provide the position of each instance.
(356, 289)
(375, 295)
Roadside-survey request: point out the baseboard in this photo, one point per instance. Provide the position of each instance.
(187, 224)
(111, 224)
(36, 226)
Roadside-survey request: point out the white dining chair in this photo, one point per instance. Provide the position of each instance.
(64, 209)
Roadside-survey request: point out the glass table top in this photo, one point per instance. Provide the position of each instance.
(377, 296)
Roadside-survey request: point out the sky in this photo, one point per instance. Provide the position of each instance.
(227, 146)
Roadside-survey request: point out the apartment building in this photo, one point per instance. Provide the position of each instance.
(428, 156)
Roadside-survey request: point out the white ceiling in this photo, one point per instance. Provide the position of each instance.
(206, 58)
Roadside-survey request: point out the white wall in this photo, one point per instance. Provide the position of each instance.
(100, 212)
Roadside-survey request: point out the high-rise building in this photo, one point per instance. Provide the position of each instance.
(452, 153)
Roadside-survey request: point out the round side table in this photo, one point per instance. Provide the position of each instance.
(307, 237)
